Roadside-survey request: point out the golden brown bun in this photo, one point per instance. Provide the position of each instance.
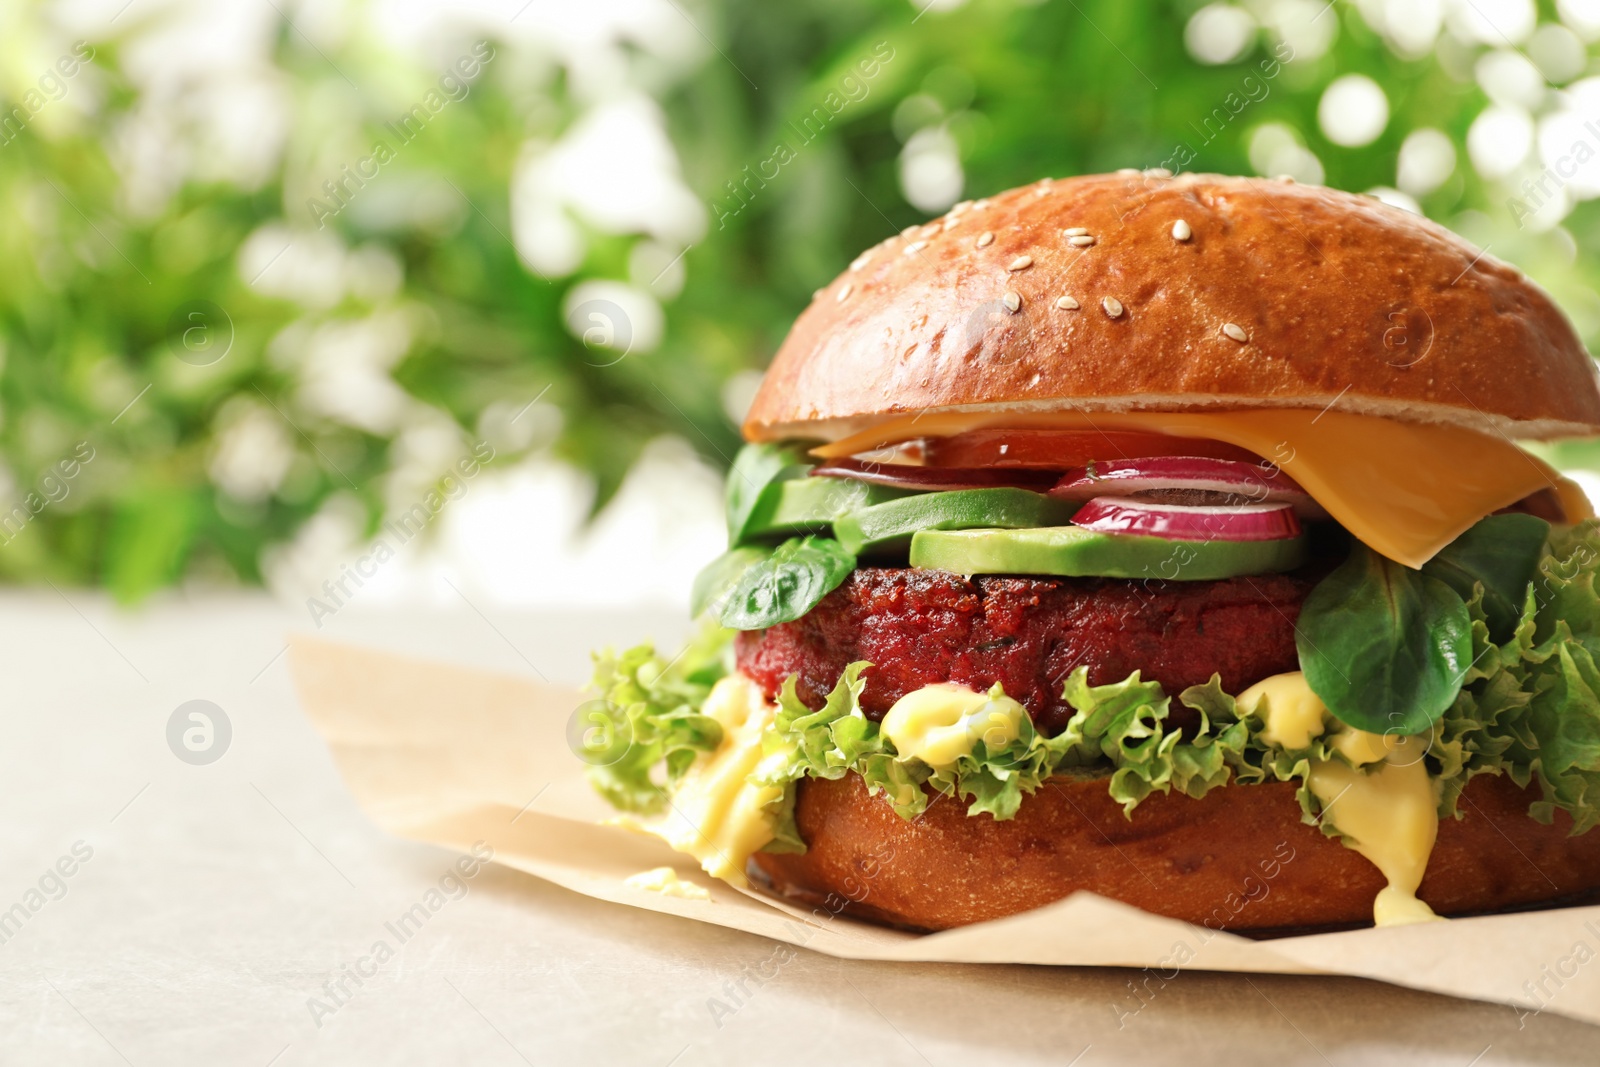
(1238, 859)
(1332, 291)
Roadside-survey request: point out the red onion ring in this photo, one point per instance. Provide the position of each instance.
(1256, 483)
(1245, 522)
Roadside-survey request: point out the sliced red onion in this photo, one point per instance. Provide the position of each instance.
(1187, 480)
(937, 479)
(1245, 522)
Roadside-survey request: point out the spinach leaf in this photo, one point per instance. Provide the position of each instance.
(719, 576)
(1501, 551)
(787, 584)
(755, 468)
(1384, 646)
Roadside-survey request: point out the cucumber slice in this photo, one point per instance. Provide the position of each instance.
(810, 505)
(1072, 551)
(885, 527)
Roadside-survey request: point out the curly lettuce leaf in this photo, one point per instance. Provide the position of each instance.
(835, 740)
(1118, 728)
(1538, 700)
(1123, 726)
(654, 704)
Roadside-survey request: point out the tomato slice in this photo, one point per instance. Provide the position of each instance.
(1061, 449)
(937, 479)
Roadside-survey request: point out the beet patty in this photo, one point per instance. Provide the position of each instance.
(922, 627)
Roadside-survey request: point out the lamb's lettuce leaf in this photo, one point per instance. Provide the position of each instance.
(1383, 645)
(1498, 554)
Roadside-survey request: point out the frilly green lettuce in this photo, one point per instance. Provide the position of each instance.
(1530, 708)
(653, 705)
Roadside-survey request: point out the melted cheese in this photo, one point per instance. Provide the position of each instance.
(1407, 510)
(665, 880)
(939, 724)
(1389, 814)
(717, 814)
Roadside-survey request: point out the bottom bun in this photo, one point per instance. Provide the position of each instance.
(1238, 859)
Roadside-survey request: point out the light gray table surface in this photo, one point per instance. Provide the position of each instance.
(219, 899)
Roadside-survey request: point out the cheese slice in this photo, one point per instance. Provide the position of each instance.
(1405, 490)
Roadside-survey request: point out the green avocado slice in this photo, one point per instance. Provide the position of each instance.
(810, 505)
(1072, 551)
(757, 469)
(887, 527)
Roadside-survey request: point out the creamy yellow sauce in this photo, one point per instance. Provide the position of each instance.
(939, 724)
(1391, 817)
(720, 817)
(665, 880)
(717, 815)
(1292, 716)
(1385, 806)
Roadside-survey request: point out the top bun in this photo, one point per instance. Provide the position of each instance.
(1139, 291)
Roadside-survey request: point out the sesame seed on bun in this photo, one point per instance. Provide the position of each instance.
(1215, 293)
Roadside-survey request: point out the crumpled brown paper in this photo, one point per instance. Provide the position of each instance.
(453, 756)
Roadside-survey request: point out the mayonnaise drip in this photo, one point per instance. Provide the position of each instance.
(1382, 801)
(717, 815)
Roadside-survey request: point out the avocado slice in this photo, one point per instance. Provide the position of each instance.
(1072, 551)
(810, 505)
(888, 527)
(757, 469)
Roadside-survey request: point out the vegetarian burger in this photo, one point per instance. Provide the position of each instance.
(1159, 537)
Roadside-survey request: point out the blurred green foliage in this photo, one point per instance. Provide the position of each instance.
(96, 283)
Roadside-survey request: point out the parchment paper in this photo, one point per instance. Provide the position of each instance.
(453, 756)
